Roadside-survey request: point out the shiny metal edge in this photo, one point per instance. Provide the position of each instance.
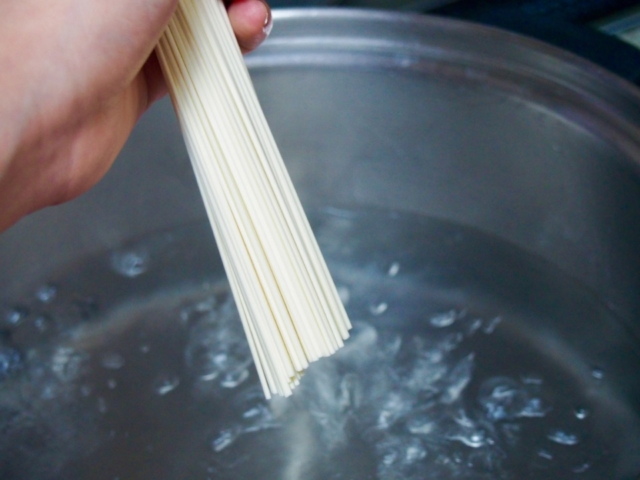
(432, 24)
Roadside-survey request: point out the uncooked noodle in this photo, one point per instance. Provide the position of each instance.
(289, 306)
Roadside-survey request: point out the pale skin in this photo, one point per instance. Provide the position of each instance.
(75, 76)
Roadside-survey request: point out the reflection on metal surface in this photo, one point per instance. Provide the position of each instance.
(625, 26)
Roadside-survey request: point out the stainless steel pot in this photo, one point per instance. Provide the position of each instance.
(477, 195)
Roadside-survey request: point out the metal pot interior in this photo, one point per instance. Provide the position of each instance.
(476, 195)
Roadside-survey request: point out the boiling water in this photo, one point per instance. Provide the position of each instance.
(469, 359)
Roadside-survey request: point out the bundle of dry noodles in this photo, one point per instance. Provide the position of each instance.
(288, 303)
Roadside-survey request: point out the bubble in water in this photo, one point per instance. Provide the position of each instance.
(458, 379)
(502, 402)
(87, 307)
(46, 293)
(350, 396)
(340, 212)
(379, 308)
(415, 451)
(424, 375)
(102, 405)
(597, 373)
(68, 364)
(223, 360)
(15, 315)
(451, 342)
(112, 361)
(218, 349)
(225, 438)
(581, 413)
(395, 407)
(398, 452)
(389, 345)
(49, 391)
(358, 349)
(462, 419)
(466, 431)
(491, 325)
(130, 263)
(394, 269)
(486, 461)
(511, 432)
(443, 319)
(581, 468)
(344, 294)
(258, 418)
(474, 326)
(10, 361)
(563, 438)
(145, 348)
(43, 323)
(532, 380)
(545, 454)
(404, 396)
(503, 398)
(421, 424)
(206, 305)
(253, 412)
(533, 409)
(474, 439)
(111, 383)
(209, 377)
(166, 383)
(234, 379)
(85, 390)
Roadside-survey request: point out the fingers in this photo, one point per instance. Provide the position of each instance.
(155, 83)
(251, 22)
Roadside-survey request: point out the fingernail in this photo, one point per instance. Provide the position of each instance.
(268, 22)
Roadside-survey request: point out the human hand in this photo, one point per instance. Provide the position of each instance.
(75, 76)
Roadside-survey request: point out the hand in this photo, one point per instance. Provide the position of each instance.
(75, 76)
